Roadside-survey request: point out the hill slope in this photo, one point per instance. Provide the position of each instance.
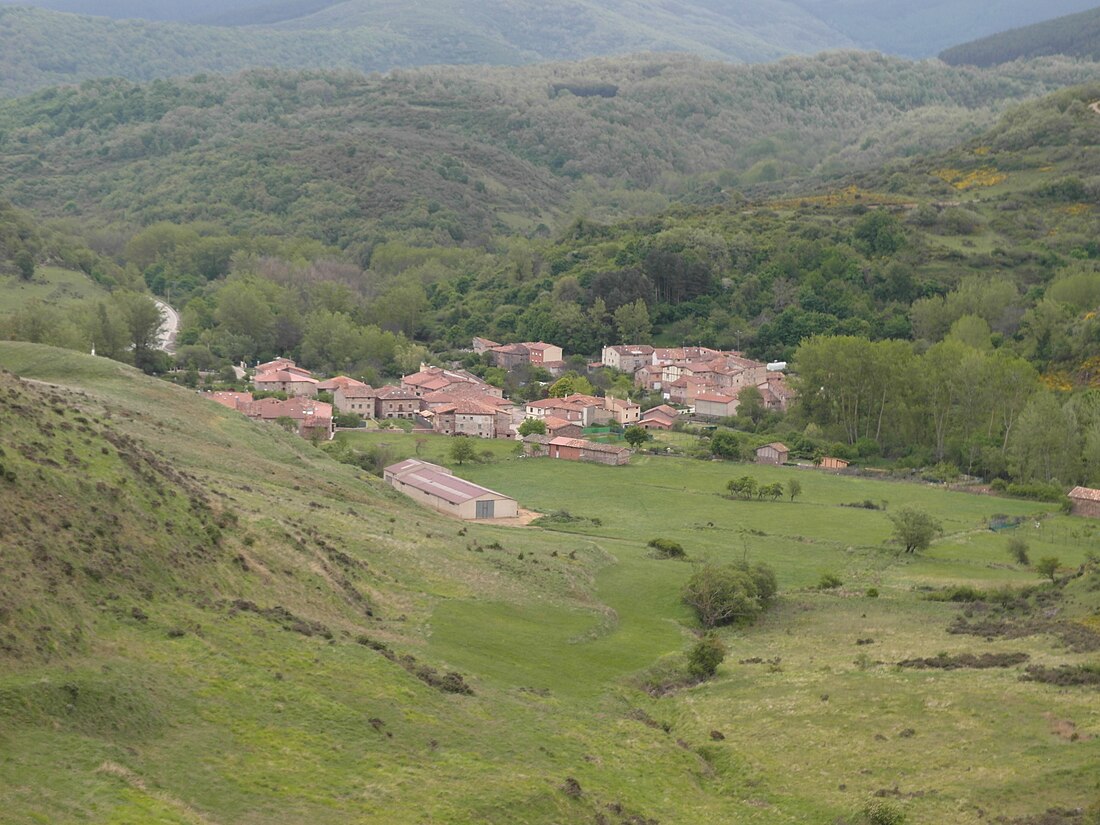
(436, 31)
(206, 620)
(39, 47)
(1076, 35)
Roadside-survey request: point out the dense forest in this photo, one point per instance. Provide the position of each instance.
(1076, 35)
(453, 156)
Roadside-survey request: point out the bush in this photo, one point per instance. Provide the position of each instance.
(1048, 566)
(1036, 491)
(1017, 548)
(667, 549)
(880, 812)
(705, 656)
(828, 581)
(730, 593)
(872, 593)
(347, 419)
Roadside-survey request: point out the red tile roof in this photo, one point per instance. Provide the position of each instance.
(339, 381)
(282, 376)
(1085, 494)
(591, 446)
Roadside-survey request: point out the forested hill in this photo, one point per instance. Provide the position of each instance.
(48, 45)
(42, 48)
(452, 155)
(1077, 35)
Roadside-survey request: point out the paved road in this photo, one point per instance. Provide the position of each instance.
(166, 337)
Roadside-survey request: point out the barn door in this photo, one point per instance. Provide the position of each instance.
(484, 509)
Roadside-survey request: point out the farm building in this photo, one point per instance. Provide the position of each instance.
(832, 463)
(1085, 502)
(438, 488)
(774, 453)
(713, 405)
(577, 449)
(663, 417)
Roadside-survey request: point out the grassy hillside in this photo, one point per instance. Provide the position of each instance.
(453, 155)
(199, 622)
(1077, 35)
(50, 285)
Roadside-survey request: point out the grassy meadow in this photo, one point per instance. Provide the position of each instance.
(206, 713)
(50, 285)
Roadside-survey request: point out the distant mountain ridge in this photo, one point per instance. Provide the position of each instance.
(48, 42)
(1075, 35)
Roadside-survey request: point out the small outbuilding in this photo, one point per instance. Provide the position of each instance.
(832, 463)
(1085, 502)
(774, 453)
(438, 488)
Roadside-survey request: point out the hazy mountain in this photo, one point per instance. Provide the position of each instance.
(924, 27)
(1077, 35)
(146, 40)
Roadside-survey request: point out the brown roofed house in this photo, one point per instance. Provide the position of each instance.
(285, 381)
(1085, 501)
(577, 449)
(662, 417)
(774, 453)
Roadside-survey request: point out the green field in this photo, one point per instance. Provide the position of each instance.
(50, 285)
(239, 720)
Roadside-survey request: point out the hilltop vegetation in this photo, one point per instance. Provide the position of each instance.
(1075, 35)
(450, 156)
(371, 34)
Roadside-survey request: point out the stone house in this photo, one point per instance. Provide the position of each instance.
(774, 453)
(1085, 502)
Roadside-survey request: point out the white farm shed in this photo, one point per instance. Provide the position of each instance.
(438, 488)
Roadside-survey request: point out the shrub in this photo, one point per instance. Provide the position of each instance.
(667, 549)
(828, 581)
(872, 593)
(1048, 566)
(914, 529)
(1017, 548)
(705, 656)
(1036, 491)
(730, 593)
(880, 812)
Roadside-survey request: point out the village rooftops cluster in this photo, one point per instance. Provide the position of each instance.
(312, 418)
(707, 379)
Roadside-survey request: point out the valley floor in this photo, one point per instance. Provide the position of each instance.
(203, 712)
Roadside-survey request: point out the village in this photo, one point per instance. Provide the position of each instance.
(696, 385)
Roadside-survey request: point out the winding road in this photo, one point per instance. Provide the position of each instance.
(169, 329)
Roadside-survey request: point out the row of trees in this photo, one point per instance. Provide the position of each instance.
(985, 410)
